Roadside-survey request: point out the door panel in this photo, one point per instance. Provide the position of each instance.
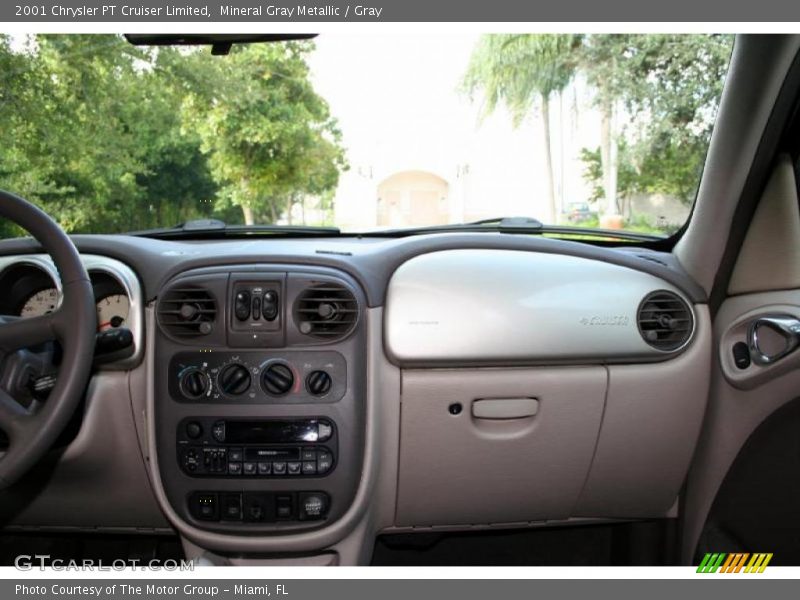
(757, 372)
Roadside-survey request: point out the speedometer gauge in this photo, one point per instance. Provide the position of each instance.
(41, 303)
(112, 312)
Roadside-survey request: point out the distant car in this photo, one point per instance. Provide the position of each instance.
(579, 212)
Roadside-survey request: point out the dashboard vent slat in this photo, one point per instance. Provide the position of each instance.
(187, 312)
(665, 321)
(326, 311)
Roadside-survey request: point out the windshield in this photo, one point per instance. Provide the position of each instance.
(362, 132)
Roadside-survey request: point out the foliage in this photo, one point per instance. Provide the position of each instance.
(105, 137)
(268, 135)
(667, 87)
(519, 70)
(670, 86)
(628, 182)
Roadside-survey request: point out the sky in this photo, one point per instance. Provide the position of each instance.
(395, 96)
(399, 107)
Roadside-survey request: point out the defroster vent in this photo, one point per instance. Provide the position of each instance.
(665, 320)
(327, 311)
(186, 311)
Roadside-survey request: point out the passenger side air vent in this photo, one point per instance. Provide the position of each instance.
(665, 320)
(327, 311)
(185, 311)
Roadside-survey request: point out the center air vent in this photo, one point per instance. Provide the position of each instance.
(187, 311)
(665, 320)
(327, 311)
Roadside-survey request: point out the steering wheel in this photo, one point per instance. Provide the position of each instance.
(32, 430)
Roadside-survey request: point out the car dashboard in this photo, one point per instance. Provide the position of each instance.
(294, 398)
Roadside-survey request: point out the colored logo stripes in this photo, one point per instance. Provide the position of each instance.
(734, 563)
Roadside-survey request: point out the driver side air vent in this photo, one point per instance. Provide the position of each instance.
(665, 320)
(327, 311)
(187, 311)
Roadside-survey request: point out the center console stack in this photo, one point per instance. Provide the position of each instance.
(260, 396)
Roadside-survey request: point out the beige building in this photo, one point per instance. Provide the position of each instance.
(413, 198)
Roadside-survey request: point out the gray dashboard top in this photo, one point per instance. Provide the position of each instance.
(370, 260)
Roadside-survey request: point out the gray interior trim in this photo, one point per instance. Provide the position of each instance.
(459, 470)
(371, 261)
(99, 481)
(460, 307)
(652, 420)
(757, 72)
(732, 415)
(769, 257)
(297, 542)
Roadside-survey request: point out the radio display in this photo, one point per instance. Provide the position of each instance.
(270, 432)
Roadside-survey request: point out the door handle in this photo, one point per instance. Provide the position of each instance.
(786, 326)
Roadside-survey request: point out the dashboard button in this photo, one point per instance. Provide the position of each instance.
(234, 380)
(324, 463)
(308, 454)
(324, 430)
(249, 468)
(264, 468)
(309, 468)
(218, 431)
(313, 505)
(257, 507)
(242, 305)
(205, 507)
(235, 455)
(279, 468)
(294, 468)
(277, 379)
(269, 307)
(193, 383)
(191, 460)
(232, 507)
(194, 430)
(318, 383)
(283, 507)
(234, 468)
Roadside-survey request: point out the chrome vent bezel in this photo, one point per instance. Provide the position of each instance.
(653, 323)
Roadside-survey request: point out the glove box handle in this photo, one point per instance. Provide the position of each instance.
(505, 408)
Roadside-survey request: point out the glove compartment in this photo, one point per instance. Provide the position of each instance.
(490, 445)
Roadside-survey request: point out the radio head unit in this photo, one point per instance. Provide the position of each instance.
(213, 447)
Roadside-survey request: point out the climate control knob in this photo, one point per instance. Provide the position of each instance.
(193, 383)
(277, 379)
(318, 383)
(234, 380)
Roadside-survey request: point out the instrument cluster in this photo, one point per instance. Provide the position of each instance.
(32, 290)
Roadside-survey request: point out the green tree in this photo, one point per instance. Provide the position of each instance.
(109, 137)
(269, 137)
(668, 86)
(93, 135)
(523, 71)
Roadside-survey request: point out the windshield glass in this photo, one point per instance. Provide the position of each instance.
(362, 132)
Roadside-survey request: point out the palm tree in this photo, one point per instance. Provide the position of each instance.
(523, 71)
